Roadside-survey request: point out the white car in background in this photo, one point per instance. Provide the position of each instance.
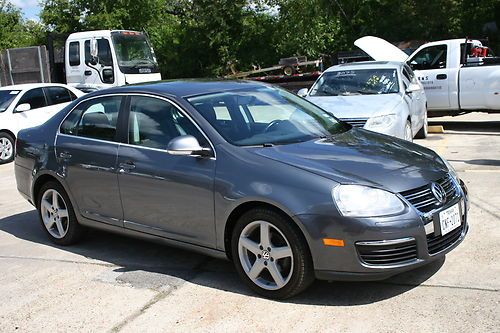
(380, 96)
(28, 105)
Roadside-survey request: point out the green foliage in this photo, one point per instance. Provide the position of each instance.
(194, 38)
(16, 32)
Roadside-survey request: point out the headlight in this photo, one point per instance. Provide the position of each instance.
(381, 121)
(363, 201)
(450, 167)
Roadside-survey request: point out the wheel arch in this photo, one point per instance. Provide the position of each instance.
(245, 207)
(39, 182)
(8, 132)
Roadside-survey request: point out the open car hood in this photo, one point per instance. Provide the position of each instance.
(380, 49)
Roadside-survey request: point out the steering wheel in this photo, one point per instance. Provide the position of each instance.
(271, 124)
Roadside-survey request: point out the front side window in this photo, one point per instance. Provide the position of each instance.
(35, 98)
(6, 98)
(154, 122)
(432, 57)
(58, 95)
(357, 82)
(265, 115)
(104, 56)
(74, 53)
(96, 119)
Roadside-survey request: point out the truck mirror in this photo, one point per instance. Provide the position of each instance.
(94, 49)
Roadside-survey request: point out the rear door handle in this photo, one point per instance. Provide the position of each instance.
(65, 155)
(127, 166)
(441, 76)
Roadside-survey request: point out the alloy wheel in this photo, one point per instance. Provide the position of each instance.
(265, 255)
(54, 213)
(6, 149)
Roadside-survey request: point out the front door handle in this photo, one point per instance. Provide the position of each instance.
(125, 167)
(441, 76)
(87, 73)
(65, 155)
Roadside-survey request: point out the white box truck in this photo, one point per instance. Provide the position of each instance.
(458, 75)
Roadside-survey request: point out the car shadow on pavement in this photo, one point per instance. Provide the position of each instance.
(149, 265)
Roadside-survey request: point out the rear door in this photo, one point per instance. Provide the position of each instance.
(162, 194)
(87, 149)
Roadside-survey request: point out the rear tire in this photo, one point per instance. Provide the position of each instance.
(7, 147)
(57, 216)
(271, 255)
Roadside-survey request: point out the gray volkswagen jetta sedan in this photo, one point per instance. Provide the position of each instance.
(244, 171)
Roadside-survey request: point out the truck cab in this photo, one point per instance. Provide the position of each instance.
(106, 58)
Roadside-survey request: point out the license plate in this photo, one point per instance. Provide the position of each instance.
(449, 219)
(144, 70)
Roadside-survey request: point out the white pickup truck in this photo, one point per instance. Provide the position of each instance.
(458, 75)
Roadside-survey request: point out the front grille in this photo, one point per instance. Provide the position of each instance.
(423, 199)
(387, 254)
(355, 122)
(439, 243)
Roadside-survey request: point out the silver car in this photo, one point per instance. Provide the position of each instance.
(380, 96)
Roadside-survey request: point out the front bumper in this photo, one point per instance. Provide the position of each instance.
(417, 240)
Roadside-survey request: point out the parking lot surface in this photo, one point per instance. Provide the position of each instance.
(113, 283)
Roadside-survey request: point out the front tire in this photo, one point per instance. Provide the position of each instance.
(271, 255)
(57, 215)
(7, 144)
(422, 133)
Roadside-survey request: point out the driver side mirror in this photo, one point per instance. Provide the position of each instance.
(187, 145)
(94, 51)
(303, 92)
(23, 107)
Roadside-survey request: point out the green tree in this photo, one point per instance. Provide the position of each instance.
(15, 31)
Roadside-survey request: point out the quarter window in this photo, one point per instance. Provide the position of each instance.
(35, 98)
(94, 119)
(74, 53)
(154, 122)
(432, 57)
(58, 95)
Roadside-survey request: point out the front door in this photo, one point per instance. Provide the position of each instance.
(87, 151)
(430, 66)
(162, 194)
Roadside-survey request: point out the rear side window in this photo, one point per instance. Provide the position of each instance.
(94, 119)
(74, 53)
(58, 95)
(34, 97)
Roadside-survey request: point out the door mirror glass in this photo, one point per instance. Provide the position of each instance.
(94, 50)
(23, 107)
(303, 92)
(187, 145)
(107, 75)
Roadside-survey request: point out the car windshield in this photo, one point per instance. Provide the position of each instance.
(6, 98)
(134, 52)
(357, 82)
(265, 115)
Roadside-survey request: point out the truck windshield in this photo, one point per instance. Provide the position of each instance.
(265, 116)
(6, 98)
(357, 82)
(134, 53)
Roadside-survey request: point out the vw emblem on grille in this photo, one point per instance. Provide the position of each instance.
(439, 192)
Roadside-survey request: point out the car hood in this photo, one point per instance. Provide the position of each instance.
(380, 49)
(362, 157)
(357, 106)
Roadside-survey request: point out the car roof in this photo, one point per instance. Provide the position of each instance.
(185, 88)
(27, 86)
(365, 65)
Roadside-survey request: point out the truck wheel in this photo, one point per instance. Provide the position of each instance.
(422, 133)
(270, 255)
(288, 70)
(7, 146)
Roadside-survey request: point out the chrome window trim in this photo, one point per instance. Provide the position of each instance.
(175, 104)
